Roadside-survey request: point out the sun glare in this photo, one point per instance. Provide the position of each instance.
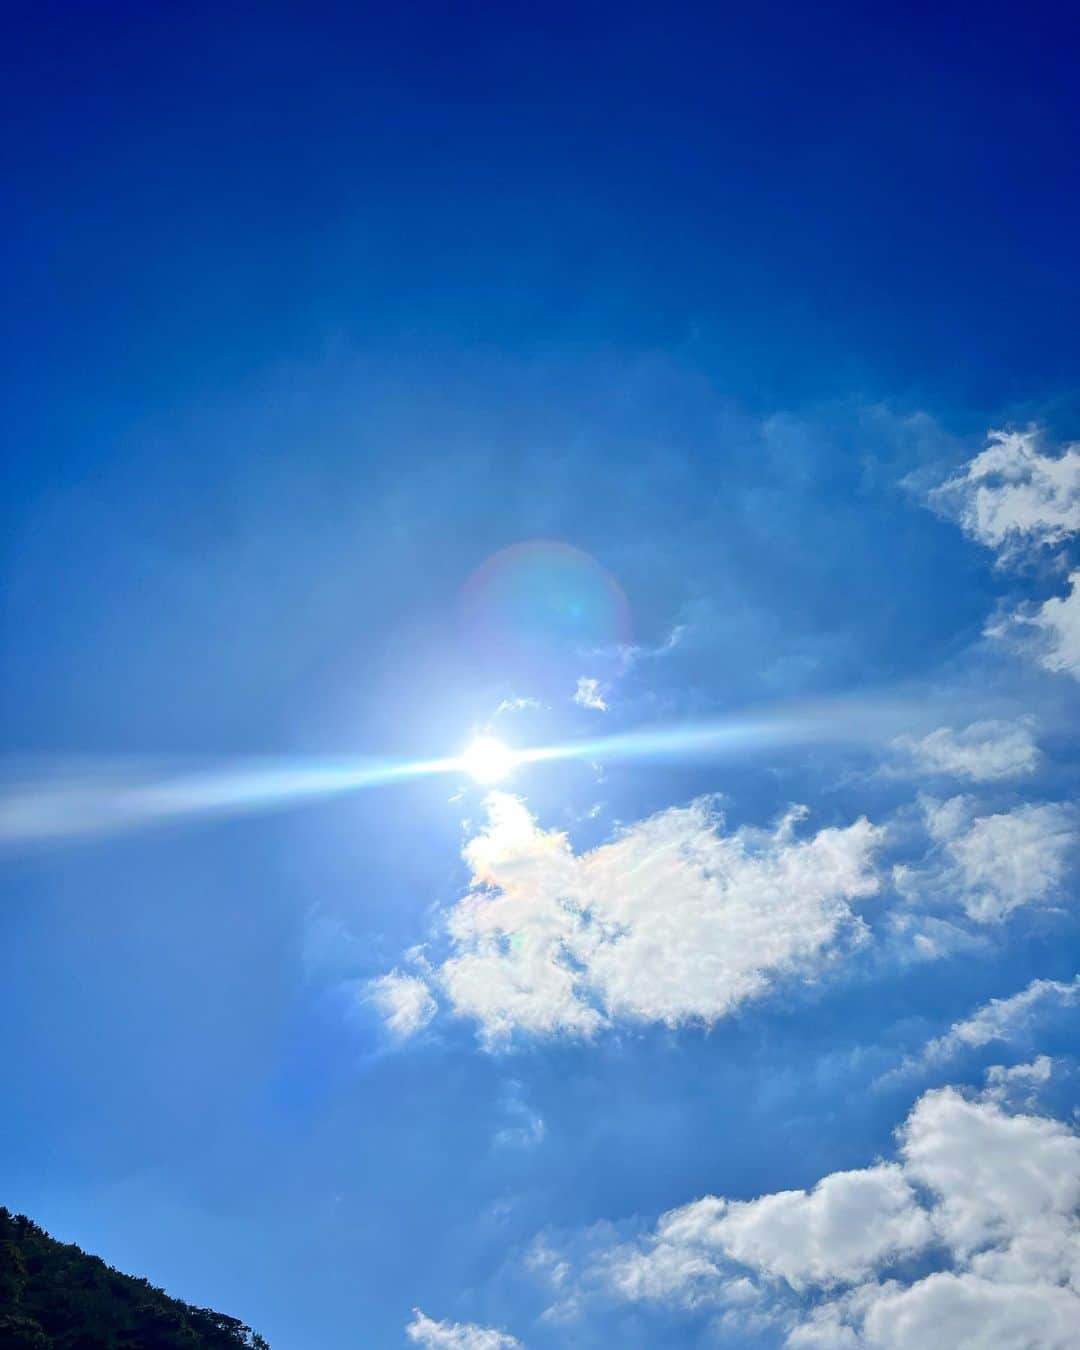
(487, 759)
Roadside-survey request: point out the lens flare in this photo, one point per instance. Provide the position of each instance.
(487, 759)
(58, 801)
(544, 602)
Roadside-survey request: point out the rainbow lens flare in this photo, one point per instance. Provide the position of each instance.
(544, 601)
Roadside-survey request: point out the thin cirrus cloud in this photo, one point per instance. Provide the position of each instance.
(969, 1238)
(588, 694)
(425, 1331)
(1010, 1020)
(672, 921)
(982, 752)
(1005, 1019)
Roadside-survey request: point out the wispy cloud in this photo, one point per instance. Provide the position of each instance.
(630, 655)
(616, 662)
(405, 1002)
(511, 705)
(1010, 1019)
(982, 752)
(1020, 500)
(1048, 633)
(425, 1331)
(1019, 1084)
(1013, 495)
(588, 694)
(993, 864)
(524, 1128)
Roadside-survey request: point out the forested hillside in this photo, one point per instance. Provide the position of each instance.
(53, 1296)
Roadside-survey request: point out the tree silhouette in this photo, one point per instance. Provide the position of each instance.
(53, 1296)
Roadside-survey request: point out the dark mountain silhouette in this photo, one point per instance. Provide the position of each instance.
(55, 1297)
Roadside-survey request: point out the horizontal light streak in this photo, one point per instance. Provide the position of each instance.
(107, 798)
(75, 801)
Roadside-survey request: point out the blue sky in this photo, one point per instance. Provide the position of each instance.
(760, 326)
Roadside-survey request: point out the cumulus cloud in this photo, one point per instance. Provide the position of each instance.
(965, 1312)
(987, 1199)
(1014, 495)
(671, 921)
(434, 1335)
(997, 863)
(982, 752)
(849, 1224)
(993, 1174)
(404, 1001)
(588, 694)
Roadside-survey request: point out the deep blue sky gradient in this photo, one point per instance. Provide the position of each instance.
(313, 308)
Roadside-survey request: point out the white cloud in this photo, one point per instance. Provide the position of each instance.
(509, 705)
(434, 1335)
(991, 1195)
(684, 1272)
(1013, 495)
(992, 1174)
(983, 751)
(998, 863)
(965, 1312)
(1003, 1019)
(847, 1226)
(588, 694)
(669, 922)
(629, 654)
(924, 937)
(1059, 621)
(404, 1001)
(1019, 1083)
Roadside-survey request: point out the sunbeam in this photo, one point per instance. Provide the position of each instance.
(105, 798)
(61, 802)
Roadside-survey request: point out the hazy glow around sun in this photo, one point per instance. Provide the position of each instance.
(487, 759)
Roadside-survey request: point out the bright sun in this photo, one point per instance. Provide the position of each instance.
(487, 759)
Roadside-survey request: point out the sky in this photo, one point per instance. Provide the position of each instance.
(686, 396)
